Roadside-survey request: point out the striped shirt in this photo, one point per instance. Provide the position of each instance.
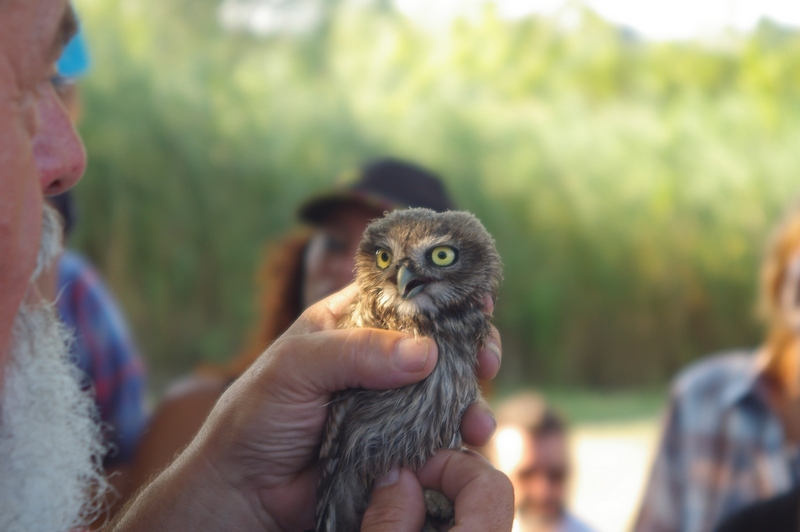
(104, 350)
(722, 448)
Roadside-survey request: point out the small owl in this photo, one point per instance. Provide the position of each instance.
(425, 273)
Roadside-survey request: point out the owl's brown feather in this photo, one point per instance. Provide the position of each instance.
(370, 431)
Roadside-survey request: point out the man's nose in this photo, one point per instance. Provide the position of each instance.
(57, 148)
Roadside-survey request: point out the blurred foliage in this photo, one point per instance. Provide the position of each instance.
(581, 406)
(630, 185)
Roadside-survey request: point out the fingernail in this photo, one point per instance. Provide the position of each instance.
(411, 354)
(495, 348)
(389, 479)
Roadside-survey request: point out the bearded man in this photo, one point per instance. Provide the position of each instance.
(253, 464)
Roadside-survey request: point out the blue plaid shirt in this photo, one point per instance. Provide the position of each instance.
(722, 448)
(104, 350)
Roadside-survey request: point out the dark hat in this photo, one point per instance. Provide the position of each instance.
(384, 184)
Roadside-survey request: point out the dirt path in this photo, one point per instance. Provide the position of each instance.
(612, 462)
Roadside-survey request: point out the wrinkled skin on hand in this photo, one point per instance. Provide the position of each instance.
(254, 462)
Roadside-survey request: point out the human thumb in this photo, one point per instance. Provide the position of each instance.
(397, 504)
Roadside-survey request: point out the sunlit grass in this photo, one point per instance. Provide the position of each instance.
(630, 185)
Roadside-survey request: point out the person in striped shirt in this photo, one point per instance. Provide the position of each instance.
(731, 433)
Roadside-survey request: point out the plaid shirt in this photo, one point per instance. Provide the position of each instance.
(722, 448)
(104, 350)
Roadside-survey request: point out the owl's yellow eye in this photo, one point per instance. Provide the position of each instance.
(383, 258)
(443, 255)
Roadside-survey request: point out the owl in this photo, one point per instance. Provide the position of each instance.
(425, 273)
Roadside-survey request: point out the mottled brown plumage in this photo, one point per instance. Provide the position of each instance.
(425, 273)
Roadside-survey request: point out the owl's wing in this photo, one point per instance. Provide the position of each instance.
(329, 461)
(342, 493)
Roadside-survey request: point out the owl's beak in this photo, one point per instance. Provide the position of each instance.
(408, 284)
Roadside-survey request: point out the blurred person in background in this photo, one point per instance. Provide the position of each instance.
(102, 345)
(531, 446)
(305, 266)
(732, 429)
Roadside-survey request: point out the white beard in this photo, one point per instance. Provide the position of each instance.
(51, 450)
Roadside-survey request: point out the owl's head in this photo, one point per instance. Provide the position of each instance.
(420, 260)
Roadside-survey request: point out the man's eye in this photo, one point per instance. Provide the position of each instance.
(61, 84)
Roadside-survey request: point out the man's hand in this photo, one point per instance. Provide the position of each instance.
(256, 454)
(483, 496)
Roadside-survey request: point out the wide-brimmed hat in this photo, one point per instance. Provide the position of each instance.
(384, 184)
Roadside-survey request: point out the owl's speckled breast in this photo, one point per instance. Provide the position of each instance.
(406, 426)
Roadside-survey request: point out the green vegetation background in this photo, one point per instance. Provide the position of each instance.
(630, 185)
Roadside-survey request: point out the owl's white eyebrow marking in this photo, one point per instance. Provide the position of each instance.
(433, 241)
(390, 243)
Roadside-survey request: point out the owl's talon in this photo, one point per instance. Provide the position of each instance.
(440, 511)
